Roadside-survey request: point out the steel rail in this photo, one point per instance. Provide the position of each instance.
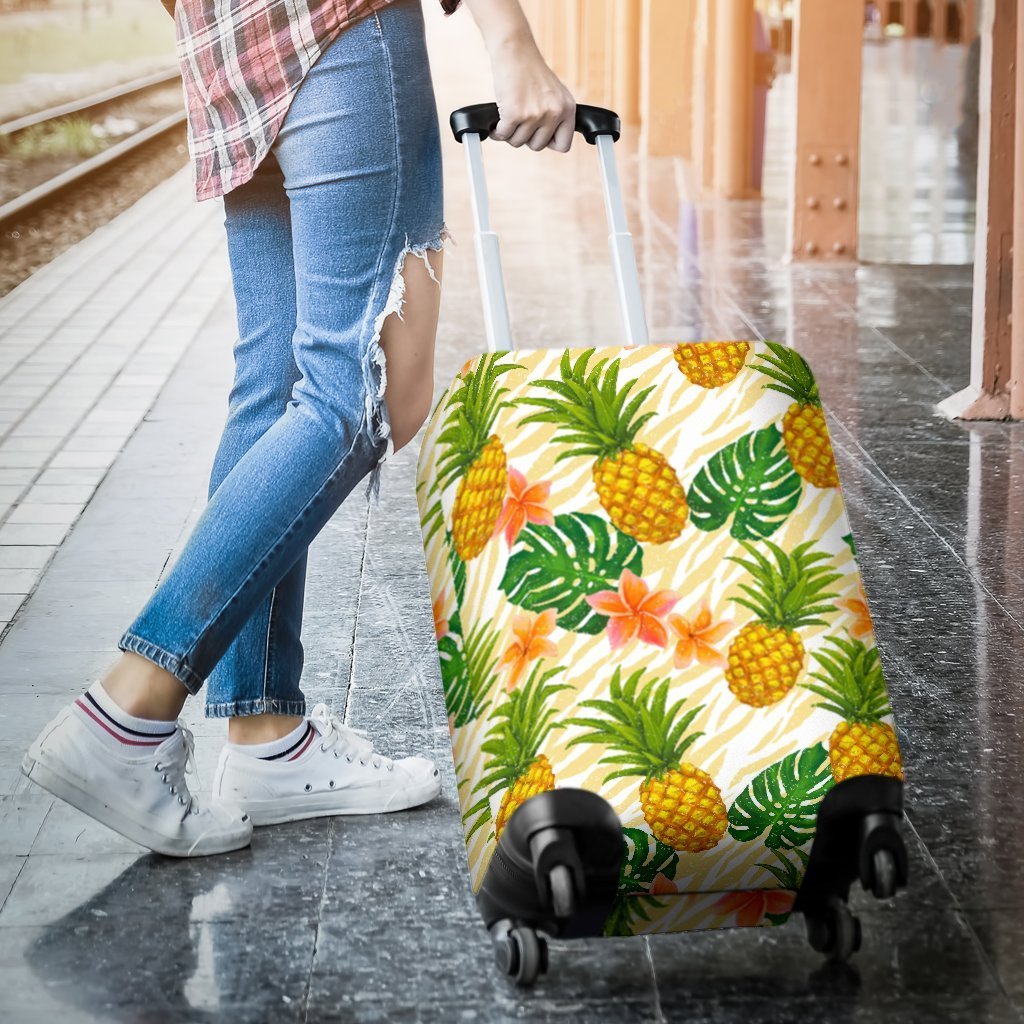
(48, 189)
(99, 99)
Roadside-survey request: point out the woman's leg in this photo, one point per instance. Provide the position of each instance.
(360, 156)
(262, 667)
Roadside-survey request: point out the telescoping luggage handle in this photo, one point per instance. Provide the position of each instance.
(600, 128)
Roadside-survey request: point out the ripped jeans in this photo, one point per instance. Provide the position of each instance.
(317, 240)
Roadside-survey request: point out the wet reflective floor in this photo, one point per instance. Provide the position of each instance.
(371, 920)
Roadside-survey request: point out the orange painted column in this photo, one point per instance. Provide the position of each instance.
(969, 21)
(827, 59)
(626, 33)
(558, 35)
(704, 109)
(734, 99)
(594, 58)
(1017, 300)
(570, 69)
(995, 347)
(665, 85)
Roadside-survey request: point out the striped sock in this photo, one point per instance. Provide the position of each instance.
(287, 748)
(110, 723)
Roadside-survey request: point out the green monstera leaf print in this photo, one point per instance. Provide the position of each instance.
(783, 800)
(467, 670)
(645, 859)
(559, 566)
(751, 480)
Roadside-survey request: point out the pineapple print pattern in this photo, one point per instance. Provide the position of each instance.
(598, 417)
(804, 427)
(681, 803)
(711, 364)
(678, 478)
(516, 768)
(768, 655)
(474, 455)
(853, 687)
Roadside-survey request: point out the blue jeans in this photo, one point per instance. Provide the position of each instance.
(316, 239)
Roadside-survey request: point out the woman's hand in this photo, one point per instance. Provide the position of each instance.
(536, 108)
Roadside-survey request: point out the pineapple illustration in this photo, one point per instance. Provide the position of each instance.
(522, 723)
(681, 803)
(635, 484)
(711, 364)
(803, 427)
(852, 684)
(767, 655)
(475, 455)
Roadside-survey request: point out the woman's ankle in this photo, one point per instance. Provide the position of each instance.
(143, 689)
(250, 729)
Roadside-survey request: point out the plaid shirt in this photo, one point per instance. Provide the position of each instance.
(242, 62)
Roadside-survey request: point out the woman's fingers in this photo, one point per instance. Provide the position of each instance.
(542, 137)
(562, 139)
(549, 123)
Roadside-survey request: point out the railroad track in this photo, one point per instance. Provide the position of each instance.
(40, 194)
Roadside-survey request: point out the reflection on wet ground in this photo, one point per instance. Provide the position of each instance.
(372, 920)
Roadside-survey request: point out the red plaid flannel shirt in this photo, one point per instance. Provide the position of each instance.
(242, 61)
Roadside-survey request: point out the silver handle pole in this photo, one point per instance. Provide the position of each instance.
(620, 246)
(488, 253)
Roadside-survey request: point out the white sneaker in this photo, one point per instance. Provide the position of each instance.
(145, 799)
(336, 771)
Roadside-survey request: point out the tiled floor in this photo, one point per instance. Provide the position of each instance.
(372, 920)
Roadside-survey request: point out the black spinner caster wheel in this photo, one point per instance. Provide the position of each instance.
(884, 874)
(521, 955)
(563, 892)
(834, 931)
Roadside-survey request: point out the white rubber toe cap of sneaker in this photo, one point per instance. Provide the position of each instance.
(218, 828)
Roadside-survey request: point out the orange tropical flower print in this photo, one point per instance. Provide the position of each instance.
(633, 611)
(697, 638)
(524, 505)
(663, 885)
(862, 627)
(751, 908)
(531, 642)
(440, 622)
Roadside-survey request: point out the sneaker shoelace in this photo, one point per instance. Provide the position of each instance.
(174, 765)
(344, 741)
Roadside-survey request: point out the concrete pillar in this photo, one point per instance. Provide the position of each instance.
(626, 32)
(734, 99)
(827, 57)
(995, 348)
(666, 43)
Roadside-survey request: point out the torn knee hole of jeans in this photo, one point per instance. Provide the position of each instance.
(374, 362)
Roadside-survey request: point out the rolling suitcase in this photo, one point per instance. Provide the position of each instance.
(666, 705)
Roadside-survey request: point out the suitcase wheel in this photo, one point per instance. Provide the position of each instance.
(563, 892)
(883, 876)
(834, 931)
(520, 953)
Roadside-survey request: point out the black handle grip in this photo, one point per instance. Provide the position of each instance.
(482, 119)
